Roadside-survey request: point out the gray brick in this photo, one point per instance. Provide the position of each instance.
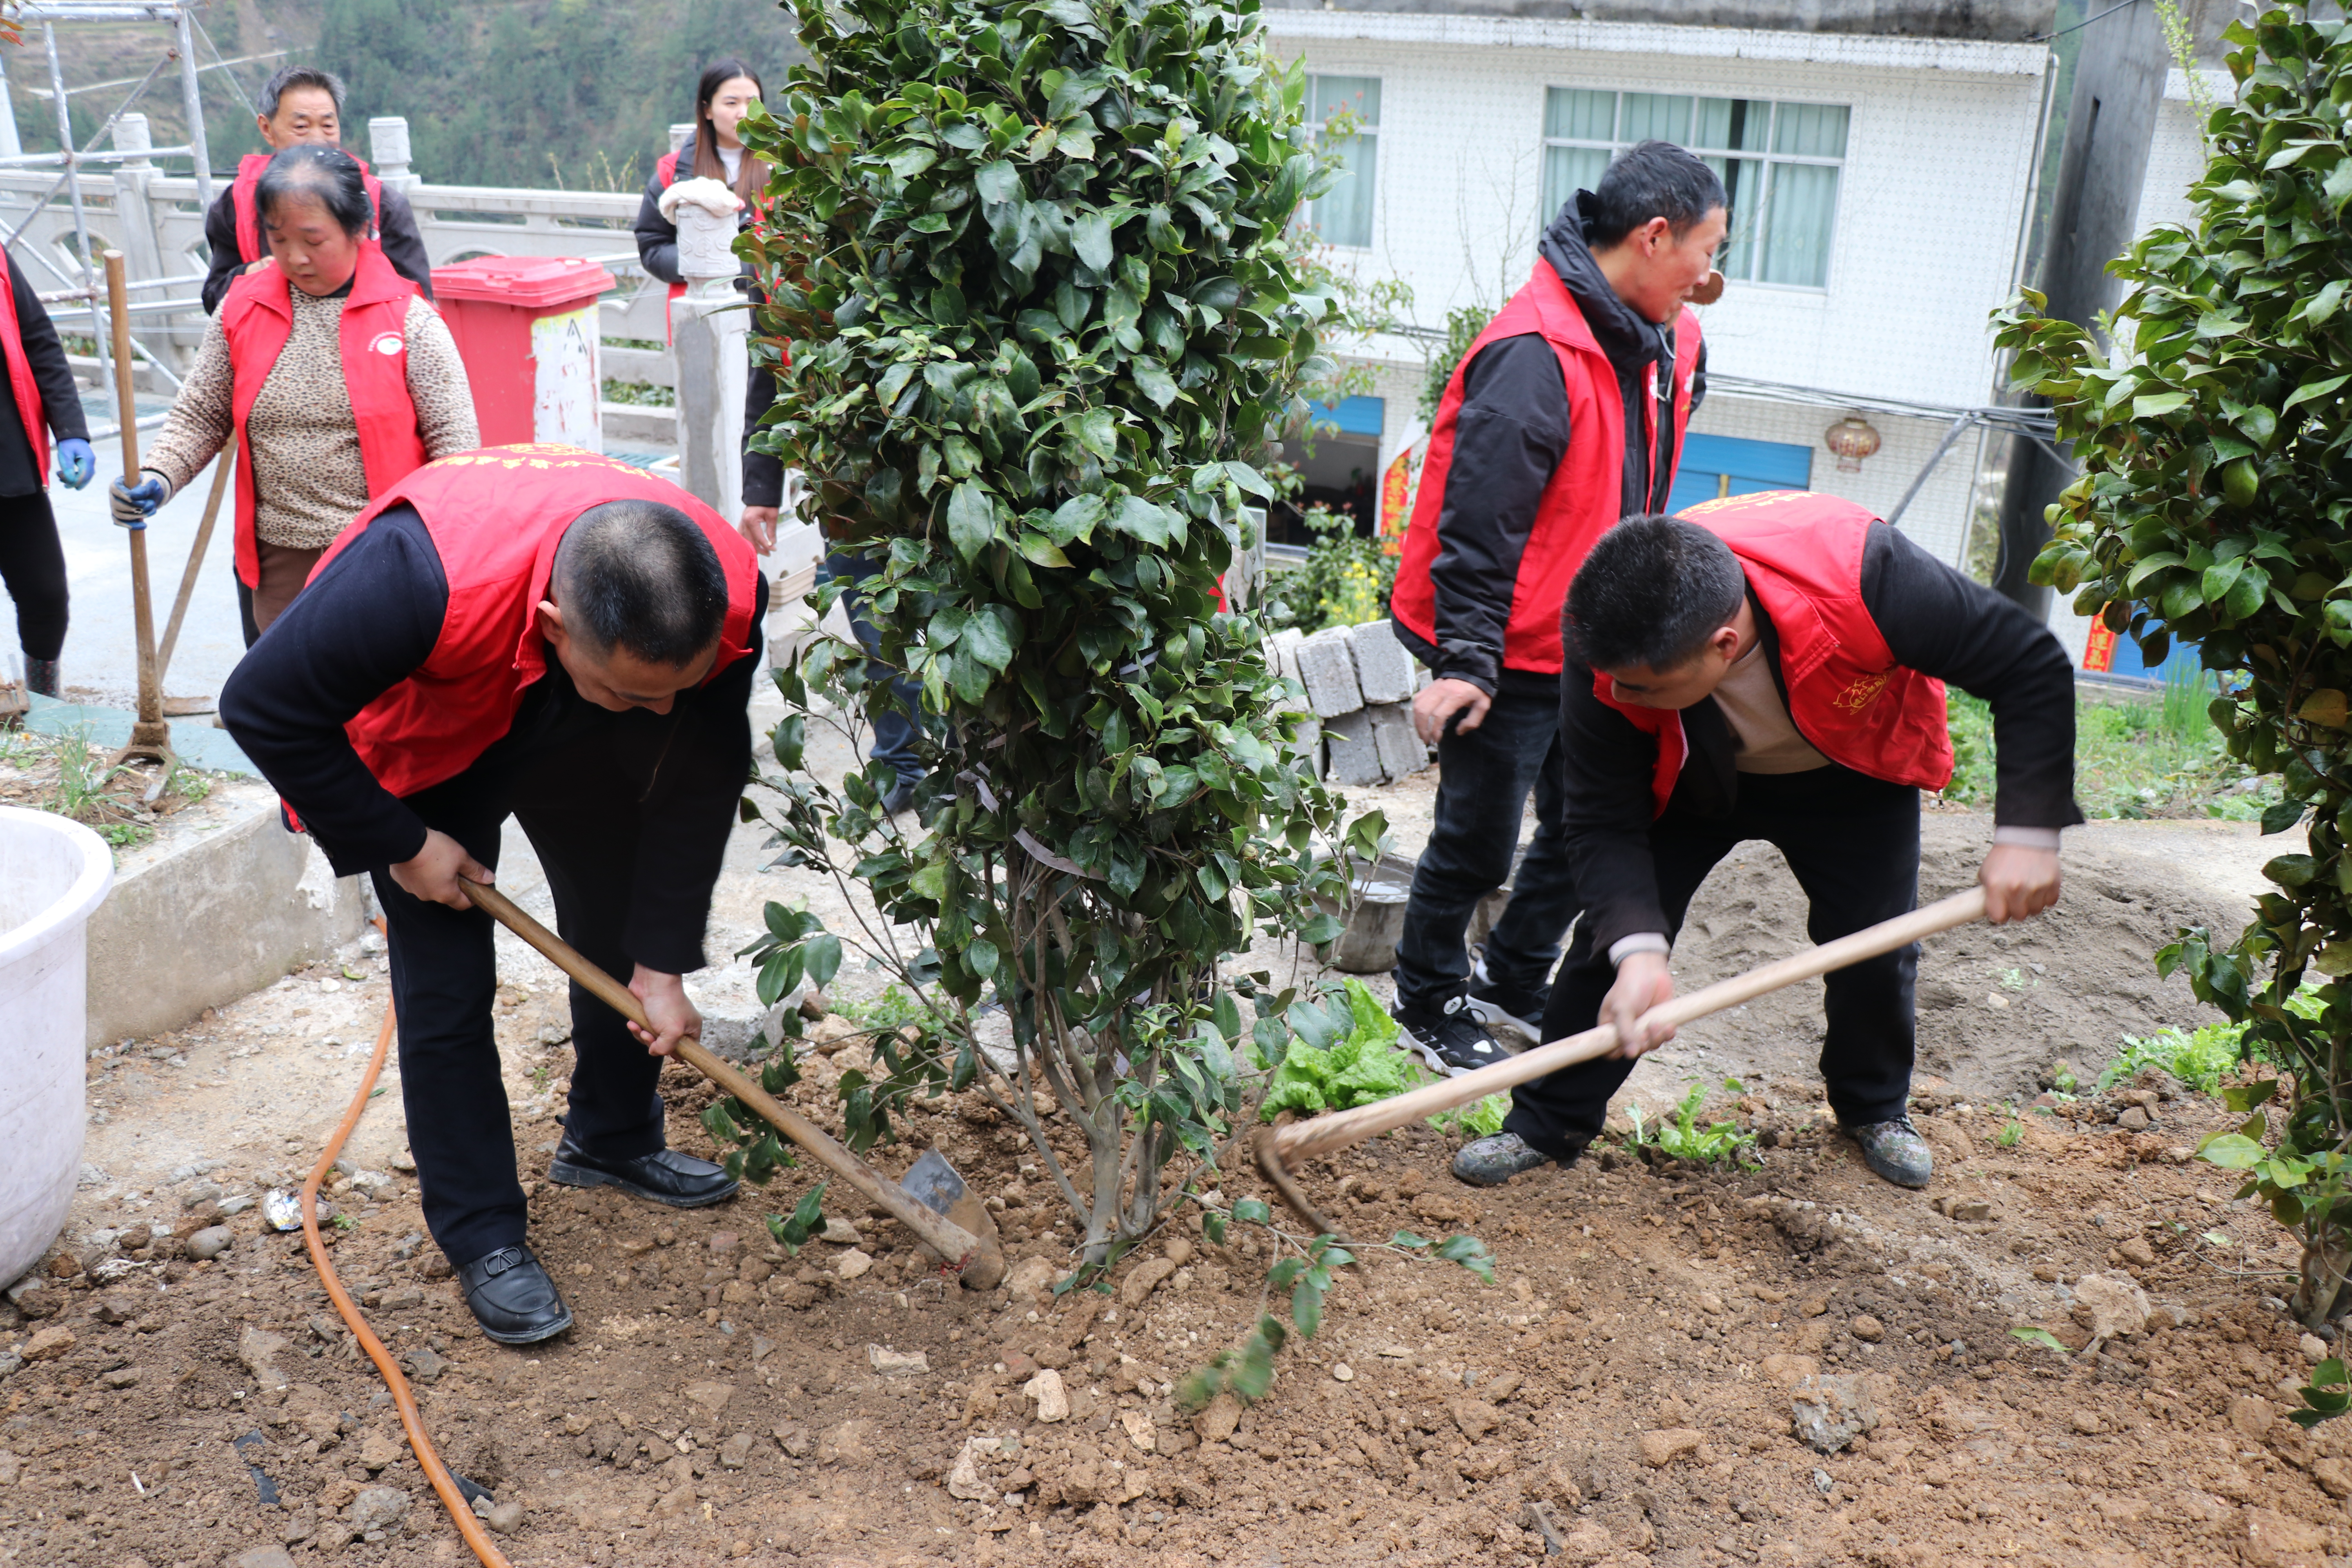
(1383, 669)
(1352, 756)
(1328, 670)
(1306, 741)
(1400, 751)
(1282, 648)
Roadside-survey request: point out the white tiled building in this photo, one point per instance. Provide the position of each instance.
(1883, 183)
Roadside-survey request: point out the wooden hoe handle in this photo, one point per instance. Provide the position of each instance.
(1329, 1134)
(944, 1237)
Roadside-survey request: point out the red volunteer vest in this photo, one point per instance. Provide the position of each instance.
(1580, 504)
(495, 516)
(252, 244)
(1848, 698)
(257, 317)
(21, 385)
(665, 171)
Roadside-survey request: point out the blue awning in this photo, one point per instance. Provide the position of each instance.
(1354, 416)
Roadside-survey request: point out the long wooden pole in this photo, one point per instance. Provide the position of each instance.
(150, 737)
(982, 1264)
(221, 470)
(1329, 1134)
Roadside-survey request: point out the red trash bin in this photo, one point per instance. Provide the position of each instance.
(526, 328)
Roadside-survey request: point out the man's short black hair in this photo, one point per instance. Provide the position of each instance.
(286, 78)
(640, 576)
(1650, 179)
(1652, 592)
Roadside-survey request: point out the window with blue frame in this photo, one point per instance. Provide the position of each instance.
(1716, 465)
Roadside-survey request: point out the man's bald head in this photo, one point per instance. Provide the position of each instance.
(640, 577)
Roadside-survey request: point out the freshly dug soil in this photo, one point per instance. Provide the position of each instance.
(1635, 1373)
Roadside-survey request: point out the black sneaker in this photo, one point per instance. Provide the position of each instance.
(1450, 1039)
(901, 796)
(1499, 1004)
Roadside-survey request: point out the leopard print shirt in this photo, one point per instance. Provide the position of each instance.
(308, 479)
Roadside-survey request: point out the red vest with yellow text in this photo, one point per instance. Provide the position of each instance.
(256, 318)
(252, 244)
(21, 385)
(495, 517)
(1583, 499)
(1852, 703)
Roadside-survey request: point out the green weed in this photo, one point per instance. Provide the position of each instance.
(1680, 1136)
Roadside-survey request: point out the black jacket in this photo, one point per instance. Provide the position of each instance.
(369, 619)
(1935, 621)
(1510, 432)
(395, 231)
(20, 473)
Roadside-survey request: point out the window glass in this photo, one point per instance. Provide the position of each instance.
(1778, 164)
(1359, 95)
(1574, 114)
(1656, 116)
(1799, 214)
(1731, 124)
(1812, 130)
(1343, 215)
(1743, 188)
(1568, 170)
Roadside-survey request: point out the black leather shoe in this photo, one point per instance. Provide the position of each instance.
(665, 1177)
(513, 1298)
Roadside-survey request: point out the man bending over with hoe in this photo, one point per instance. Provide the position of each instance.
(1772, 667)
(540, 632)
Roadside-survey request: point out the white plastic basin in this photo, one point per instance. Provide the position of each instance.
(53, 873)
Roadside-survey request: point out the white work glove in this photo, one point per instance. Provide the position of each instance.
(711, 196)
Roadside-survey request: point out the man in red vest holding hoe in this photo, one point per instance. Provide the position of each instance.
(1772, 667)
(542, 632)
(1566, 415)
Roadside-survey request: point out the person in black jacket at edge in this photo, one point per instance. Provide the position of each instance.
(1567, 414)
(1771, 666)
(42, 401)
(546, 634)
(300, 104)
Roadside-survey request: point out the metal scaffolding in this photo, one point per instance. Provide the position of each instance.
(87, 290)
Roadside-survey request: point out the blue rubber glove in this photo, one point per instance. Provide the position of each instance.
(76, 462)
(134, 504)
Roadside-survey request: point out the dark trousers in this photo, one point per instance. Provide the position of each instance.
(33, 566)
(1853, 843)
(894, 733)
(445, 979)
(1483, 782)
(285, 571)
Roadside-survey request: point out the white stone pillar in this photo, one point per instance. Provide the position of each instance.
(710, 331)
(388, 151)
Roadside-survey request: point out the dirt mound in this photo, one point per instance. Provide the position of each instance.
(1795, 1365)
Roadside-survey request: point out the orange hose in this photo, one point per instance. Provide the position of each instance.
(469, 1525)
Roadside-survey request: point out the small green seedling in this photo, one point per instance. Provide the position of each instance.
(2041, 1336)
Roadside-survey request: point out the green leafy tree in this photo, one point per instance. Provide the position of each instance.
(1034, 269)
(2215, 506)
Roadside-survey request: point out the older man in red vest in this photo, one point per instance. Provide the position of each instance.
(1566, 415)
(540, 633)
(1772, 667)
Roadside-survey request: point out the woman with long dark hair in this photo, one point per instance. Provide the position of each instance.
(330, 372)
(727, 88)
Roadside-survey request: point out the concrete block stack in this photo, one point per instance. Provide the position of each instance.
(1358, 683)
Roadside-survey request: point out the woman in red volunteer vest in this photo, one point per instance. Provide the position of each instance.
(42, 401)
(542, 632)
(1567, 414)
(1772, 667)
(329, 371)
(299, 105)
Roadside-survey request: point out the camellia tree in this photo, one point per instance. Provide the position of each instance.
(1033, 270)
(2215, 507)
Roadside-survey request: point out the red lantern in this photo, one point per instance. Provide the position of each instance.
(1852, 440)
